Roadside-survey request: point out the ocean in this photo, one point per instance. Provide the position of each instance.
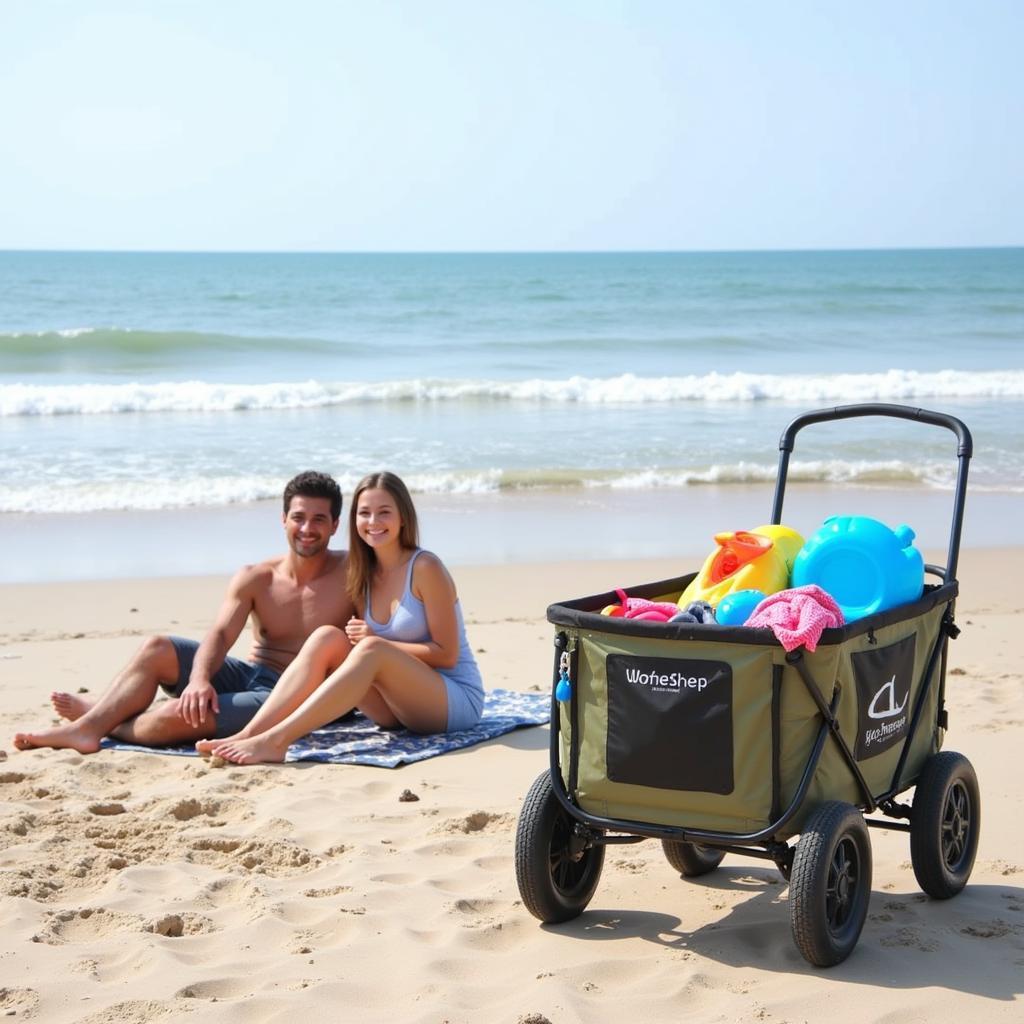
(142, 384)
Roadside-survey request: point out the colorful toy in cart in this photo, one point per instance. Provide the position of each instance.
(758, 559)
(865, 566)
(862, 564)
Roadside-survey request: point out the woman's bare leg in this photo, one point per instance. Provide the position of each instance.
(324, 650)
(415, 694)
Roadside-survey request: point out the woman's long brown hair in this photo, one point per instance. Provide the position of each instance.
(362, 559)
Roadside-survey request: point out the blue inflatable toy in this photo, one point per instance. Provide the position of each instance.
(864, 565)
(734, 609)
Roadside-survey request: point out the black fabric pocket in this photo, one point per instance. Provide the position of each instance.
(884, 679)
(670, 723)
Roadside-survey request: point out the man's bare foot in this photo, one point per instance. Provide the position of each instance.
(71, 736)
(255, 750)
(69, 705)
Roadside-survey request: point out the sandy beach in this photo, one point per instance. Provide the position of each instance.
(142, 887)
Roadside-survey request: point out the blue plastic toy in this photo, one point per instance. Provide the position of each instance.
(734, 609)
(864, 565)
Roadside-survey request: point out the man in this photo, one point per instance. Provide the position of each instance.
(286, 597)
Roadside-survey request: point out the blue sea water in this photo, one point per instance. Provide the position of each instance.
(157, 381)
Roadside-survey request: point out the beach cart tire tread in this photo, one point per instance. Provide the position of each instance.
(831, 884)
(944, 824)
(691, 859)
(557, 869)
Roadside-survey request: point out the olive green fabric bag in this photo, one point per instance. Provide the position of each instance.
(710, 727)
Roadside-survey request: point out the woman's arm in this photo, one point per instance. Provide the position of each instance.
(434, 587)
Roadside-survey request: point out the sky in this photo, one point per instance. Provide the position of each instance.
(456, 125)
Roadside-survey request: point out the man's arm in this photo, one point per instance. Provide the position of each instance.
(199, 698)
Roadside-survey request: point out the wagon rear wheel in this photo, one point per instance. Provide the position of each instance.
(945, 822)
(831, 884)
(691, 859)
(557, 868)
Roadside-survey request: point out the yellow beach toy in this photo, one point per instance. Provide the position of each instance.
(759, 559)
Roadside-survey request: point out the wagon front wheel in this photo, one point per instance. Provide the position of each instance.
(557, 867)
(945, 821)
(831, 884)
(691, 859)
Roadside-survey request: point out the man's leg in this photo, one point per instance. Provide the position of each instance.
(131, 692)
(162, 726)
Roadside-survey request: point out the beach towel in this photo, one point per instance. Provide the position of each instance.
(798, 616)
(359, 741)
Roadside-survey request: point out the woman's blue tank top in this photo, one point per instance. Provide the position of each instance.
(408, 624)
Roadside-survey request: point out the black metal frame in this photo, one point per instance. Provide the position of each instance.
(595, 828)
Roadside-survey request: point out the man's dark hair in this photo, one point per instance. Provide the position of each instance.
(313, 485)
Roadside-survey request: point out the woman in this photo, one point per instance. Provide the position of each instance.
(404, 662)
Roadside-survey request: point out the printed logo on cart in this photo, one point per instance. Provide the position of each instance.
(670, 723)
(674, 681)
(882, 710)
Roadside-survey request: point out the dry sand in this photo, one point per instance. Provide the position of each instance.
(144, 888)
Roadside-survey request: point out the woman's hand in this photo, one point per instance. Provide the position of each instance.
(356, 630)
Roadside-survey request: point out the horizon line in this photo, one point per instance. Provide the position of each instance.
(509, 252)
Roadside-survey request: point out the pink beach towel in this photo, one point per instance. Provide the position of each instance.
(797, 616)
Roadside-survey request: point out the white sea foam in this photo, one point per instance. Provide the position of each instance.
(835, 471)
(200, 396)
(157, 493)
(64, 332)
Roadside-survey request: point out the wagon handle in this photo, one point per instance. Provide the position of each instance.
(965, 448)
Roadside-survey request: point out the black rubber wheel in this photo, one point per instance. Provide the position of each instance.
(831, 884)
(690, 859)
(945, 822)
(556, 869)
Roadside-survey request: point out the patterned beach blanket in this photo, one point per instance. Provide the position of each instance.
(359, 741)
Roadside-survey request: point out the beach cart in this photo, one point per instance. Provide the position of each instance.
(715, 740)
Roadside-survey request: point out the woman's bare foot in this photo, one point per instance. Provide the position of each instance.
(255, 750)
(208, 747)
(72, 736)
(69, 705)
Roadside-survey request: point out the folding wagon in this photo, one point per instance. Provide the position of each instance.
(714, 740)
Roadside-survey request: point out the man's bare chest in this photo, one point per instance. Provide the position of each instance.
(290, 610)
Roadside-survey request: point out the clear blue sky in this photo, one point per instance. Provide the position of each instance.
(534, 124)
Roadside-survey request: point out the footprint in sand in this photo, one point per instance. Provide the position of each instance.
(396, 878)
(231, 892)
(221, 989)
(268, 858)
(475, 908)
(995, 929)
(634, 867)
(174, 926)
(493, 863)
(909, 938)
(331, 890)
(132, 1011)
(18, 1002)
(478, 821)
(215, 812)
(85, 925)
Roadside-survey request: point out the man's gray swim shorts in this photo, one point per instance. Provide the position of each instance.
(241, 686)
